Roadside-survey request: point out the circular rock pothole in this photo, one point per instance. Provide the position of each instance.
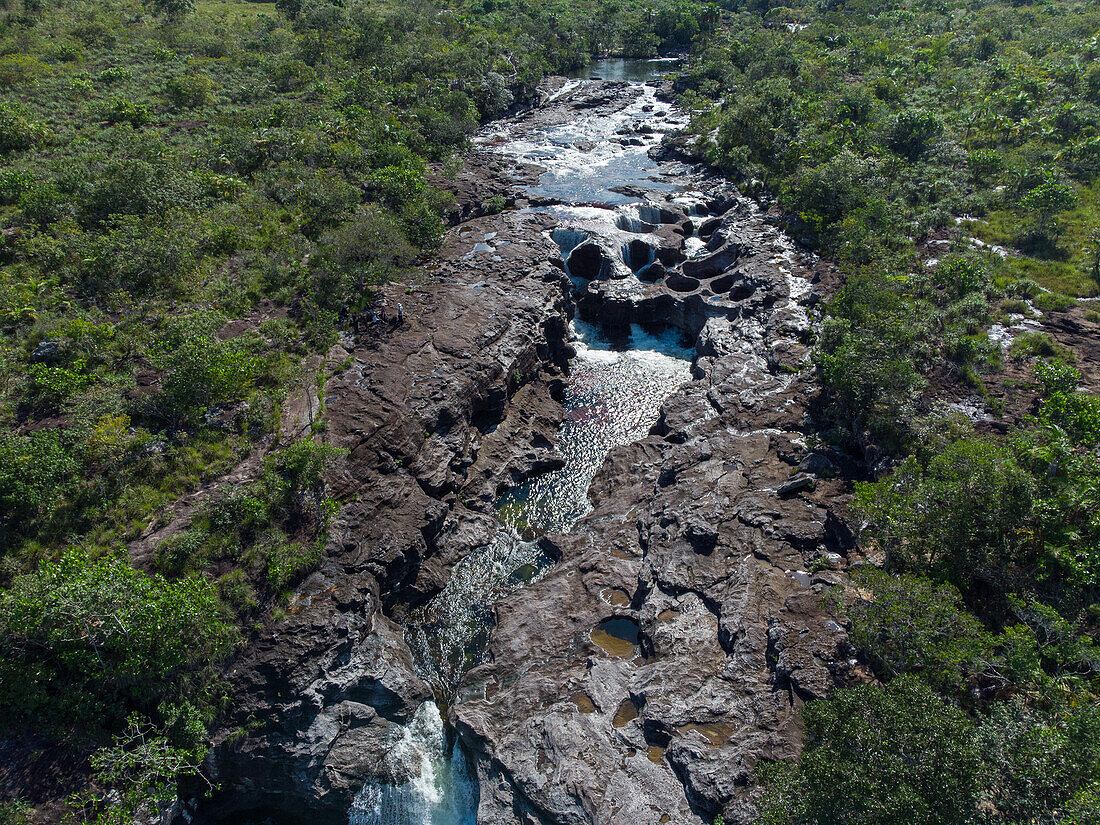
(617, 637)
(590, 261)
(721, 284)
(681, 283)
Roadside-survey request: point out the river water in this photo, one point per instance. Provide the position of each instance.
(613, 396)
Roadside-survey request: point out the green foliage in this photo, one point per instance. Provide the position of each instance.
(172, 9)
(123, 110)
(18, 133)
(1038, 345)
(913, 626)
(878, 756)
(202, 372)
(143, 766)
(85, 640)
(1078, 414)
(1041, 761)
(912, 133)
(273, 530)
(901, 754)
(19, 69)
(190, 90)
(961, 512)
(1047, 198)
(34, 469)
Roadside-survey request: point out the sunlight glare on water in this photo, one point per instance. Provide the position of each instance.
(612, 398)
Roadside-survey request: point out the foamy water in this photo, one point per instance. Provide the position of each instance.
(586, 157)
(440, 788)
(613, 397)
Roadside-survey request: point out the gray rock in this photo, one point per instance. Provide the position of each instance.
(796, 484)
(48, 352)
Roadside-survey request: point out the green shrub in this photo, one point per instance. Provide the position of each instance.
(961, 277)
(1038, 345)
(49, 386)
(912, 625)
(913, 132)
(14, 183)
(190, 90)
(35, 470)
(984, 163)
(115, 74)
(878, 756)
(18, 69)
(123, 110)
(202, 372)
(961, 513)
(1053, 302)
(85, 641)
(291, 75)
(17, 133)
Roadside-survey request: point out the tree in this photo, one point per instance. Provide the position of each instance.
(1043, 201)
(172, 10)
(88, 640)
(878, 756)
(912, 625)
(962, 513)
(913, 132)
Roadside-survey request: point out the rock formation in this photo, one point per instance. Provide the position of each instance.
(642, 677)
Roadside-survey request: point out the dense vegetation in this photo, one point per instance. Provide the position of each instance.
(879, 126)
(888, 134)
(195, 200)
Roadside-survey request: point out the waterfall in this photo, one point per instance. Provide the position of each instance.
(438, 786)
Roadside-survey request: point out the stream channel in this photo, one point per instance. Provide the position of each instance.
(613, 396)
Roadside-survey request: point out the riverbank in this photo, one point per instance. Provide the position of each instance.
(462, 401)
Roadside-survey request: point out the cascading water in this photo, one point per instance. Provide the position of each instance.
(434, 784)
(612, 398)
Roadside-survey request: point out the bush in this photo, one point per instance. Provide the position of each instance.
(1038, 345)
(878, 756)
(961, 513)
(202, 372)
(961, 277)
(1040, 760)
(34, 471)
(17, 69)
(190, 90)
(17, 133)
(913, 132)
(87, 640)
(911, 625)
(123, 110)
(291, 75)
(984, 163)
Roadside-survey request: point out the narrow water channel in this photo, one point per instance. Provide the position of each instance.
(613, 396)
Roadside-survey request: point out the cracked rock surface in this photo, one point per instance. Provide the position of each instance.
(669, 648)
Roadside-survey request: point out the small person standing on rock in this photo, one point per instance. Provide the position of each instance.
(400, 314)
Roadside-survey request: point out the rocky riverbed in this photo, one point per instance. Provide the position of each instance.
(664, 641)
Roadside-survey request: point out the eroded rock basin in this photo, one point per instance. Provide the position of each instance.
(549, 462)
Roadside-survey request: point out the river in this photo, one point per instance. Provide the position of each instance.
(616, 386)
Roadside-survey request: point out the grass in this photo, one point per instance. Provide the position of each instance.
(1070, 275)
